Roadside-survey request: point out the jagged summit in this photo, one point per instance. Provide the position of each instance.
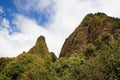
(93, 28)
(40, 46)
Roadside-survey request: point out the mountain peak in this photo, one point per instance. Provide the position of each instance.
(39, 40)
(93, 27)
(96, 14)
(40, 46)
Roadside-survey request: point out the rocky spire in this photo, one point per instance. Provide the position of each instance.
(40, 47)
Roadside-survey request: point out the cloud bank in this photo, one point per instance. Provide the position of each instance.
(63, 15)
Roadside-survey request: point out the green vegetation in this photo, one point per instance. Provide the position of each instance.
(91, 52)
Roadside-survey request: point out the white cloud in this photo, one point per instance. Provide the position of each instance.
(31, 30)
(34, 5)
(7, 47)
(5, 23)
(67, 16)
(1, 9)
(16, 43)
(110, 7)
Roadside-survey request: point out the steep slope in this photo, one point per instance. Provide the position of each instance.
(42, 49)
(92, 52)
(25, 67)
(29, 65)
(94, 30)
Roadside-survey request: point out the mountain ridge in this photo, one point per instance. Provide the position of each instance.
(91, 52)
(91, 28)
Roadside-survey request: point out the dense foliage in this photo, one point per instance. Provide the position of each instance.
(92, 52)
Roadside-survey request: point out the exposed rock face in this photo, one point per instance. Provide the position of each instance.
(93, 28)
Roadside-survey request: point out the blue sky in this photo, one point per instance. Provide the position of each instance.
(10, 9)
(22, 21)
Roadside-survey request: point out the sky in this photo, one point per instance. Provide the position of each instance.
(23, 21)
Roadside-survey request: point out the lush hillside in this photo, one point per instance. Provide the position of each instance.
(94, 30)
(91, 52)
(31, 65)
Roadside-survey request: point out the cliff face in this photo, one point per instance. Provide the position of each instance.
(94, 29)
